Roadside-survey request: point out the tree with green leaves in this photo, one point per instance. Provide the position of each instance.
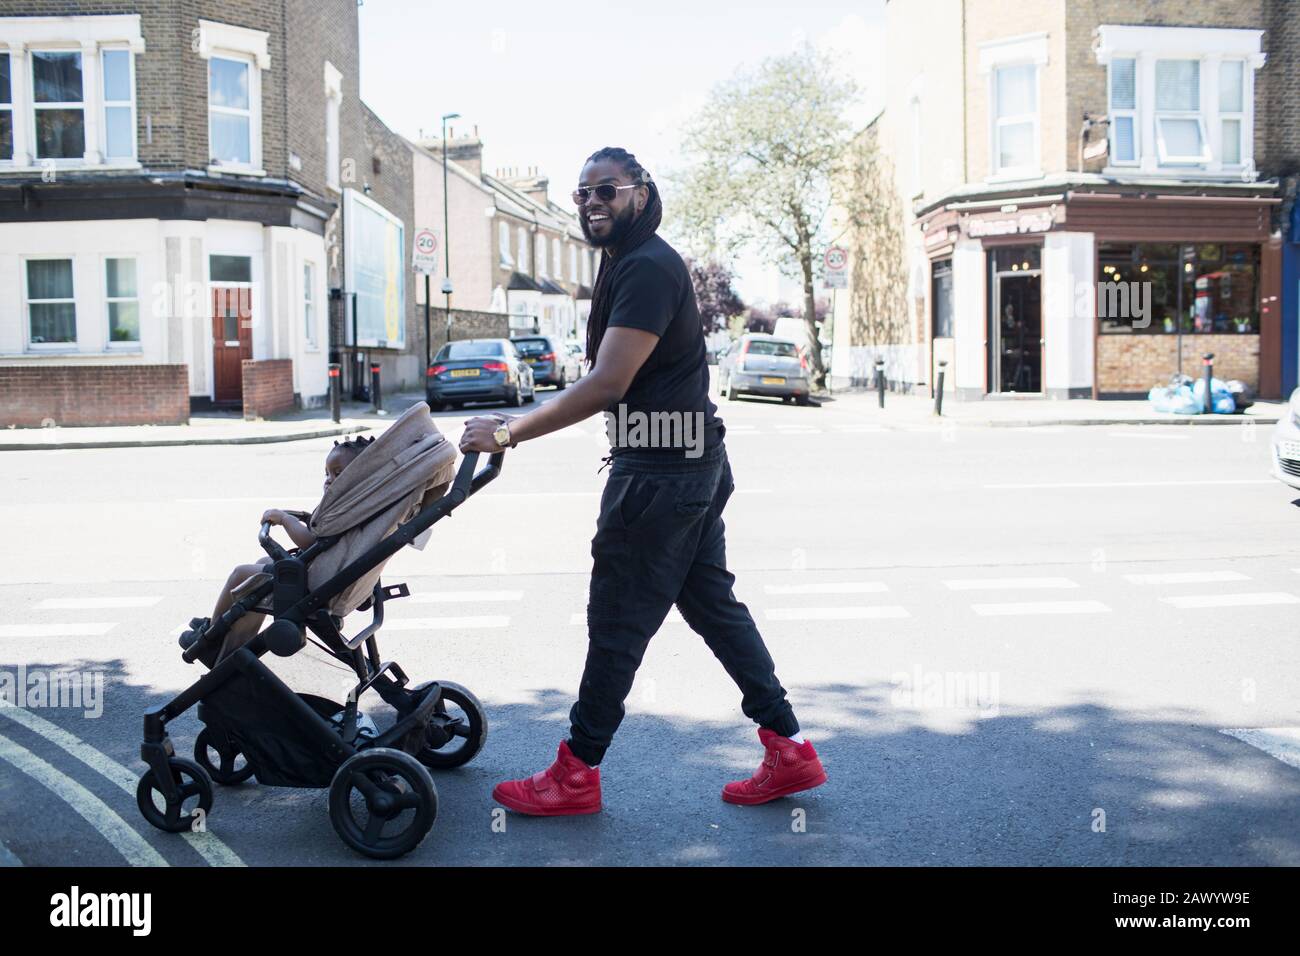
(766, 159)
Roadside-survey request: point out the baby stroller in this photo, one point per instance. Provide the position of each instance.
(382, 800)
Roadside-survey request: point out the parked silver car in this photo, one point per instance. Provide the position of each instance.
(758, 364)
(1286, 444)
(551, 362)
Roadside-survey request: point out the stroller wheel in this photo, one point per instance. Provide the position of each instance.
(195, 792)
(461, 741)
(382, 803)
(228, 769)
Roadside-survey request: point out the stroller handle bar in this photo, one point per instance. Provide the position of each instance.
(269, 544)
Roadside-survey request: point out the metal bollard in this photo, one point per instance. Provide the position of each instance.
(335, 370)
(1208, 359)
(938, 394)
(880, 381)
(374, 388)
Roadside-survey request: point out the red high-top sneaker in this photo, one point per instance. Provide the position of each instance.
(787, 768)
(566, 787)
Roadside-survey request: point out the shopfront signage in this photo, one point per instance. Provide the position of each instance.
(1025, 223)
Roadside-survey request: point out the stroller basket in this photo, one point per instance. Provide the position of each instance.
(255, 725)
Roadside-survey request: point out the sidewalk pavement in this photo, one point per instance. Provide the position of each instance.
(213, 428)
(914, 410)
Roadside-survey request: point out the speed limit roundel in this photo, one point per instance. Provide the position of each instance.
(836, 258)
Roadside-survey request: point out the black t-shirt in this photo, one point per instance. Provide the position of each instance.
(667, 406)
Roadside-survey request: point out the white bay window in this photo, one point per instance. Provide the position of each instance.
(1181, 98)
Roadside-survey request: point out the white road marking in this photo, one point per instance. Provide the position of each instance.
(55, 630)
(1186, 577)
(674, 617)
(798, 430)
(859, 428)
(833, 587)
(873, 612)
(89, 807)
(1280, 742)
(1039, 607)
(205, 844)
(1148, 435)
(1133, 484)
(448, 623)
(1259, 599)
(454, 597)
(1008, 584)
(93, 603)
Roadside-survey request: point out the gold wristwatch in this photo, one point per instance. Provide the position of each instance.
(502, 436)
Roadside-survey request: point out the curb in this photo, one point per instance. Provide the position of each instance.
(163, 442)
(1181, 420)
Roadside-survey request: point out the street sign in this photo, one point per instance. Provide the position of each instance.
(425, 258)
(837, 263)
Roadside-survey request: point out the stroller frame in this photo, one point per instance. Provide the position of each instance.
(383, 768)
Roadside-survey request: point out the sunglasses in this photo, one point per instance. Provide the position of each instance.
(605, 192)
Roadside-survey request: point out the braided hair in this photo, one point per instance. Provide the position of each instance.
(355, 445)
(643, 227)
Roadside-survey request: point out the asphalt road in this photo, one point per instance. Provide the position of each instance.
(998, 639)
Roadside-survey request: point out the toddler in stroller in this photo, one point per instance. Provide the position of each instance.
(382, 800)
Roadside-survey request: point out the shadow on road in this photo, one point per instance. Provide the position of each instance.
(1023, 788)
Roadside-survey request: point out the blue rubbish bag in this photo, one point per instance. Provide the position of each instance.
(1177, 400)
(1221, 400)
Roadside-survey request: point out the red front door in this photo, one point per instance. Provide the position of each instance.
(232, 342)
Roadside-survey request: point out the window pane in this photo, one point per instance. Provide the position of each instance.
(1232, 141)
(1123, 85)
(121, 278)
(230, 268)
(1015, 90)
(1178, 84)
(124, 322)
(228, 84)
(6, 134)
(56, 77)
(230, 138)
(1221, 297)
(119, 137)
(117, 75)
(6, 91)
(1125, 148)
(60, 134)
(1230, 94)
(49, 278)
(53, 322)
(1182, 137)
(1016, 145)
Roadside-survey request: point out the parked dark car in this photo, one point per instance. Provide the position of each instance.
(552, 363)
(478, 370)
(760, 364)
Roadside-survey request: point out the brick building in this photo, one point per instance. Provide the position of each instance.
(178, 187)
(1108, 212)
(527, 253)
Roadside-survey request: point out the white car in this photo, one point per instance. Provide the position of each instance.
(1286, 444)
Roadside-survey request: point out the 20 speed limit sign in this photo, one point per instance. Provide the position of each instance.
(424, 258)
(837, 261)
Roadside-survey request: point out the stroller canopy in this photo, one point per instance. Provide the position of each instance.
(407, 467)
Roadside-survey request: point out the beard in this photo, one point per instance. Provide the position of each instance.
(619, 226)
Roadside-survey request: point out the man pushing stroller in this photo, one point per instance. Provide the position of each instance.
(659, 538)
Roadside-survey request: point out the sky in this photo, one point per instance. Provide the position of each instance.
(548, 84)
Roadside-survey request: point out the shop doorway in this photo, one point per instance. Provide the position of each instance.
(232, 342)
(1015, 343)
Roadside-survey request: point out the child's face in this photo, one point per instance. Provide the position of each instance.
(338, 459)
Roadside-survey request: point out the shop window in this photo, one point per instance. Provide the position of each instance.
(1189, 289)
(941, 299)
